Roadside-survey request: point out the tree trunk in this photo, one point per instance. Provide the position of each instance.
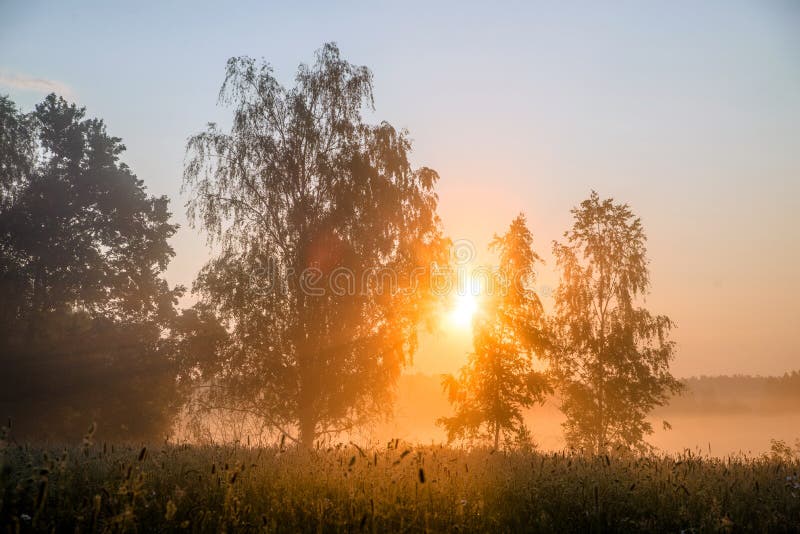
(308, 432)
(496, 436)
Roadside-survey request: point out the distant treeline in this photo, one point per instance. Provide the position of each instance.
(738, 394)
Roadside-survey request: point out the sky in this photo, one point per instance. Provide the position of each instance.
(687, 111)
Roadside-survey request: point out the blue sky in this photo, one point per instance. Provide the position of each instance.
(689, 111)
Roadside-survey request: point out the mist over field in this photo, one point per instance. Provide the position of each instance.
(714, 416)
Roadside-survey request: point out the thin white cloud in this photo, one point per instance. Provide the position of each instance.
(24, 82)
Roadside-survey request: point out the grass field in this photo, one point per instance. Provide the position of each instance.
(396, 488)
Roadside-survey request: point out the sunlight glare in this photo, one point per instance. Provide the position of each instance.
(463, 310)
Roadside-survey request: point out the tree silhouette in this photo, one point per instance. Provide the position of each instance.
(323, 230)
(500, 379)
(82, 249)
(611, 357)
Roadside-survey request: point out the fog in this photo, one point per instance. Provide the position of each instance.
(715, 415)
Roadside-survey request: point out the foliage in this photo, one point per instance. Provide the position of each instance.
(500, 378)
(17, 147)
(82, 250)
(325, 234)
(101, 488)
(611, 356)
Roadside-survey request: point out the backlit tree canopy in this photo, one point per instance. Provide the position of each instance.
(612, 355)
(500, 378)
(325, 235)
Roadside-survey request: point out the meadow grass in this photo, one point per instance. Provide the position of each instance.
(397, 488)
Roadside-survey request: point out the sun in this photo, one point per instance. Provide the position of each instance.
(464, 308)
